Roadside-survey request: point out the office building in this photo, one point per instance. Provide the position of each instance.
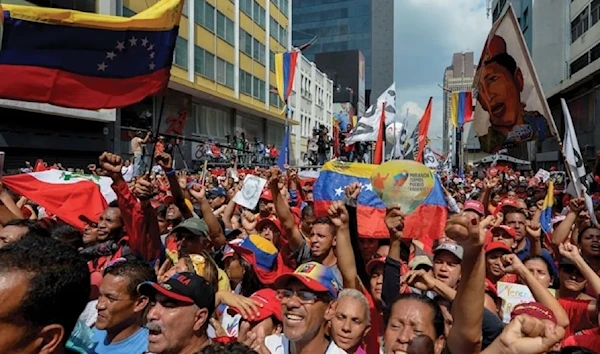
(564, 41)
(362, 25)
(457, 77)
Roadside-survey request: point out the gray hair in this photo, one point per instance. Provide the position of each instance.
(360, 297)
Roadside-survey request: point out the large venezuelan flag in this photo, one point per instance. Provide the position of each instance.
(329, 187)
(461, 108)
(84, 60)
(285, 69)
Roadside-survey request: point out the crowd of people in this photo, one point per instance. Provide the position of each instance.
(175, 266)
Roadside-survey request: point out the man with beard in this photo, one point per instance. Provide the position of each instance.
(119, 327)
(179, 314)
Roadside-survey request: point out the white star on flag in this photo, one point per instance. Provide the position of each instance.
(110, 55)
(368, 187)
(133, 41)
(144, 42)
(152, 66)
(102, 66)
(339, 191)
(120, 46)
(152, 55)
(151, 47)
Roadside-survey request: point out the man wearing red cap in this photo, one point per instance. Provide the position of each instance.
(504, 234)
(494, 271)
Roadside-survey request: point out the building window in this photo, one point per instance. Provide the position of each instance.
(184, 10)
(181, 57)
(245, 83)
(246, 6)
(224, 28)
(224, 72)
(204, 15)
(259, 15)
(204, 63)
(127, 12)
(272, 61)
(595, 11)
(258, 51)
(579, 25)
(212, 122)
(246, 42)
(258, 89)
(579, 63)
(595, 53)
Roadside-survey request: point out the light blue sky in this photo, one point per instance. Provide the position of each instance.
(426, 34)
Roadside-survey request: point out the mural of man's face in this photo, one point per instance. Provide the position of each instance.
(500, 94)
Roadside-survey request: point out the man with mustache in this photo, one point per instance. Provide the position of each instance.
(179, 315)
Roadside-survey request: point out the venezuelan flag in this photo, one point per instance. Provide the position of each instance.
(461, 108)
(428, 221)
(285, 69)
(329, 187)
(84, 60)
(546, 217)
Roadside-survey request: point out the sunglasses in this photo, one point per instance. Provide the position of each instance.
(305, 296)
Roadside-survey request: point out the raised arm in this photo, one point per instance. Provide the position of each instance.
(562, 231)
(283, 212)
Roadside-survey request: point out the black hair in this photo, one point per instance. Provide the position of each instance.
(512, 210)
(538, 258)
(505, 60)
(161, 211)
(58, 282)
(229, 348)
(437, 319)
(34, 228)
(308, 211)
(442, 301)
(326, 221)
(585, 229)
(113, 204)
(135, 271)
(250, 280)
(68, 234)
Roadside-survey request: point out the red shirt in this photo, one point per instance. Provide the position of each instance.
(371, 341)
(577, 311)
(589, 339)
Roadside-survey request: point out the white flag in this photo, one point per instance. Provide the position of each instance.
(579, 178)
(367, 127)
(429, 159)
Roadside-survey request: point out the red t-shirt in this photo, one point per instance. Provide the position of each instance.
(577, 311)
(589, 339)
(371, 341)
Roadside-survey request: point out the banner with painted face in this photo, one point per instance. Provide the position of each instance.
(511, 108)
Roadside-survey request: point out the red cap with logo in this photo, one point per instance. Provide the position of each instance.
(503, 228)
(474, 205)
(271, 305)
(533, 309)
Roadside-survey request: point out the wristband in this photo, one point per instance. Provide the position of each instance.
(170, 173)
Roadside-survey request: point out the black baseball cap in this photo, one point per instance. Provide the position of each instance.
(186, 287)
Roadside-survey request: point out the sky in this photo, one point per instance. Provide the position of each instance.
(426, 34)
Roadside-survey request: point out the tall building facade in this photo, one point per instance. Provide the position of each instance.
(382, 47)
(563, 38)
(457, 77)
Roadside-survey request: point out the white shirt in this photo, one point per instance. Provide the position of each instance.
(279, 344)
(127, 172)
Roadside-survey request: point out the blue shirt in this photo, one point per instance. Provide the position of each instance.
(135, 344)
(522, 254)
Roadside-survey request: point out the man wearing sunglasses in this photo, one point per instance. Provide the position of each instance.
(305, 297)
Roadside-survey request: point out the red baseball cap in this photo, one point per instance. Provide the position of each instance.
(266, 195)
(509, 230)
(490, 288)
(374, 263)
(270, 221)
(533, 309)
(474, 205)
(506, 203)
(492, 246)
(270, 302)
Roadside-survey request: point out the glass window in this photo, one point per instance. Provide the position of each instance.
(229, 31)
(248, 44)
(221, 71)
(209, 17)
(127, 12)
(229, 76)
(221, 25)
(272, 61)
(199, 12)
(184, 10)
(181, 57)
(256, 49)
(210, 65)
(199, 61)
(255, 87)
(212, 121)
(246, 6)
(259, 14)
